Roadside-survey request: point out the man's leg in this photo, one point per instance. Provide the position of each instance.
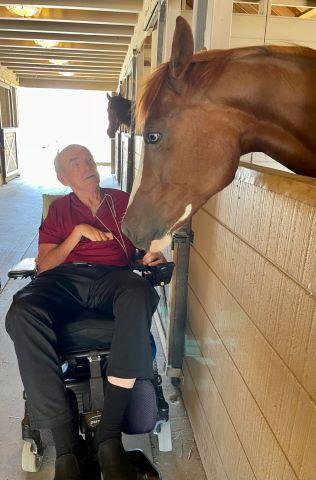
(31, 322)
(134, 302)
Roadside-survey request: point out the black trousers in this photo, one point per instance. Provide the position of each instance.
(58, 294)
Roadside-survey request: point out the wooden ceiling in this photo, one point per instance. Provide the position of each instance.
(93, 38)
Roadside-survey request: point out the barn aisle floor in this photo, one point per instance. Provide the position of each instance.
(20, 214)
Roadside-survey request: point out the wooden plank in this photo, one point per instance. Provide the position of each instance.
(65, 46)
(218, 24)
(65, 37)
(261, 194)
(280, 29)
(63, 68)
(8, 77)
(73, 84)
(264, 453)
(31, 60)
(82, 16)
(203, 436)
(132, 6)
(283, 310)
(78, 75)
(284, 403)
(37, 26)
(223, 433)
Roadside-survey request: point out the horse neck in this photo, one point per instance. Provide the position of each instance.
(279, 115)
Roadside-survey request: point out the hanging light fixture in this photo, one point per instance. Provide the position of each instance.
(67, 74)
(24, 10)
(57, 61)
(47, 43)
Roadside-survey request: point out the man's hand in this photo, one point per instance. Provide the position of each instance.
(93, 234)
(153, 259)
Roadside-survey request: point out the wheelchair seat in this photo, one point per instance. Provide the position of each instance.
(89, 330)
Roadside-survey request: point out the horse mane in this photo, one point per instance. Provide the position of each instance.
(200, 74)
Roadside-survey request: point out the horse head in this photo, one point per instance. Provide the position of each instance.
(185, 159)
(119, 111)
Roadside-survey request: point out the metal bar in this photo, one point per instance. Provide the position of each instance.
(199, 23)
(161, 30)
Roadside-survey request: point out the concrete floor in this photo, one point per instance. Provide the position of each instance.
(20, 215)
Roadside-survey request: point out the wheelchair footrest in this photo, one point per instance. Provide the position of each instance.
(143, 465)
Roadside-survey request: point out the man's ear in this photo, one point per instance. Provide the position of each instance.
(63, 179)
(182, 49)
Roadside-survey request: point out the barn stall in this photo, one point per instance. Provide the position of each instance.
(246, 364)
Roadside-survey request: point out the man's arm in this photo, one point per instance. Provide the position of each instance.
(51, 255)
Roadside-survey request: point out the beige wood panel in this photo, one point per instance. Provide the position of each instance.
(254, 30)
(226, 439)
(284, 403)
(280, 308)
(293, 30)
(264, 453)
(211, 460)
(282, 218)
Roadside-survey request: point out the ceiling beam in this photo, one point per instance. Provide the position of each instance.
(24, 25)
(64, 37)
(63, 46)
(16, 63)
(81, 16)
(132, 6)
(109, 86)
(47, 53)
(57, 75)
(29, 59)
(62, 68)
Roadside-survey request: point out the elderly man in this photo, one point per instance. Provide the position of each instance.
(83, 263)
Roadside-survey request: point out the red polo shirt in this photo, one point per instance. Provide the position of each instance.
(67, 212)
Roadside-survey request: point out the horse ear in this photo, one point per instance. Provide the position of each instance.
(182, 48)
(108, 96)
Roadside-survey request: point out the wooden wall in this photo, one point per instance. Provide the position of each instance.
(250, 30)
(250, 369)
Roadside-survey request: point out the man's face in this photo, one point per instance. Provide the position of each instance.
(78, 169)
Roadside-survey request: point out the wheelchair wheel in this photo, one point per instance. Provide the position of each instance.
(31, 462)
(164, 437)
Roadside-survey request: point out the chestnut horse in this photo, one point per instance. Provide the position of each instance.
(119, 111)
(200, 112)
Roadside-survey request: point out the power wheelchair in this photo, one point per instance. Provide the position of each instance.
(84, 345)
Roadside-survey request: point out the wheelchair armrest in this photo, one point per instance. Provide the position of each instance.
(157, 275)
(25, 268)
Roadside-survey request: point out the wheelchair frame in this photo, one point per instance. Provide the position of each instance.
(87, 396)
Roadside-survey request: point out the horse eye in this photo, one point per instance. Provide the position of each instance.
(152, 137)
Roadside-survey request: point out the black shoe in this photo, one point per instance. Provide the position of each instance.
(69, 467)
(114, 462)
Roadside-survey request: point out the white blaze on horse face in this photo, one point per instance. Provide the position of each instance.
(138, 178)
(187, 211)
(158, 245)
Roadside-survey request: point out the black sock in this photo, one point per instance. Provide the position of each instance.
(67, 439)
(115, 403)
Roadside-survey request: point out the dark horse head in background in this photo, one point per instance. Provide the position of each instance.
(200, 112)
(119, 111)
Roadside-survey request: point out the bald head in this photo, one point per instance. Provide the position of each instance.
(76, 168)
(69, 150)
